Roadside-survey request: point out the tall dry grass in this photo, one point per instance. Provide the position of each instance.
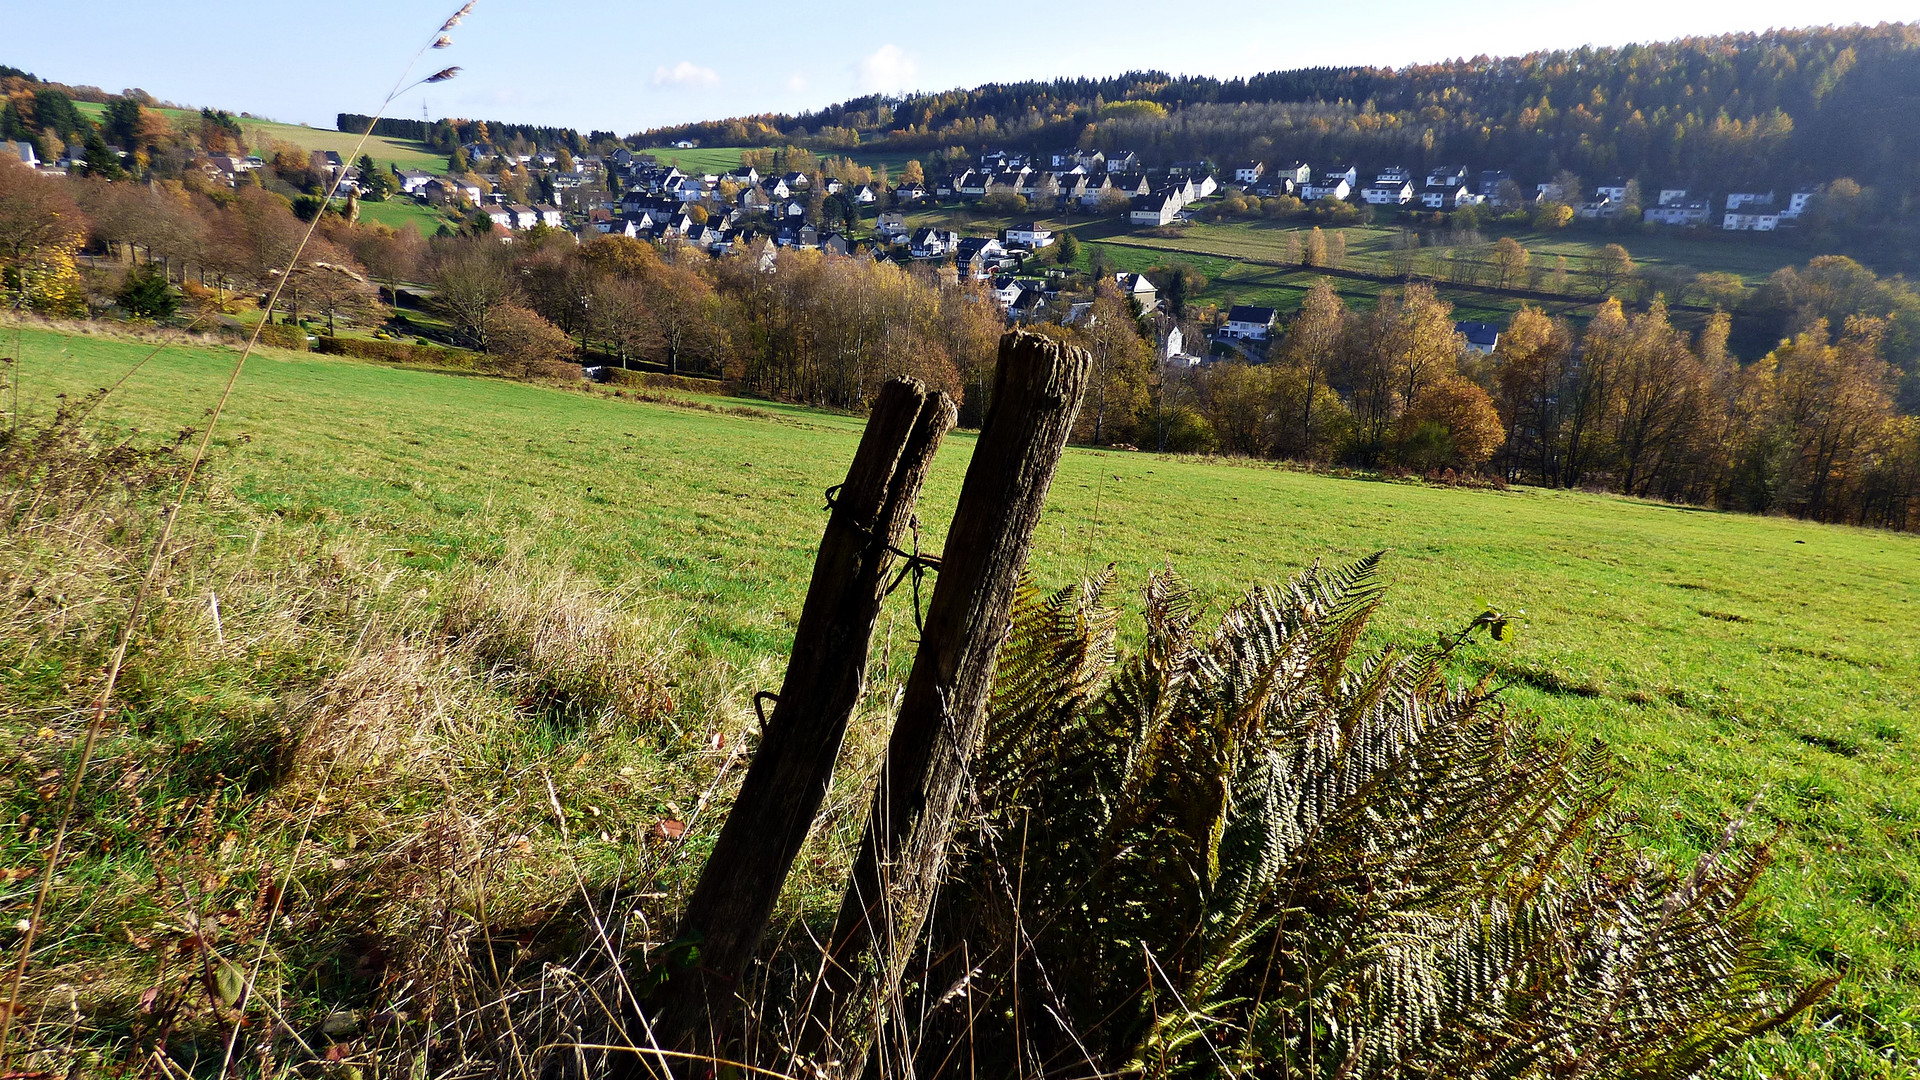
(342, 813)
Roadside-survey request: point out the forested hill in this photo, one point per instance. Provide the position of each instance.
(1784, 107)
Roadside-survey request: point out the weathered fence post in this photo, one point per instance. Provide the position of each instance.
(784, 786)
(1036, 392)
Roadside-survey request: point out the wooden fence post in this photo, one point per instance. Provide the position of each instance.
(788, 779)
(1036, 392)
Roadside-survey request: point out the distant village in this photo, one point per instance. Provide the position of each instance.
(633, 194)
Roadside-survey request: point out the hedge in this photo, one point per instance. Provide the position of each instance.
(683, 383)
(398, 352)
(282, 336)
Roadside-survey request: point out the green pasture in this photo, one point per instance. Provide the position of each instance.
(261, 134)
(1726, 660)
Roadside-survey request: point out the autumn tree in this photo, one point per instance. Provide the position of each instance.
(1453, 425)
(1310, 347)
(469, 280)
(1122, 363)
(524, 344)
(1612, 269)
(1510, 262)
(40, 229)
(1531, 364)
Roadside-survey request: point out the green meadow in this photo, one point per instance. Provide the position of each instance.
(261, 134)
(1725, 660)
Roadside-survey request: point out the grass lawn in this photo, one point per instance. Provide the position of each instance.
(700, 159)
(1721, 657)
(261, 134)
(400, 211)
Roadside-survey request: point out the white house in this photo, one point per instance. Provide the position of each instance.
(1738, 199)
(1448, 197)
(1245, 322)
(1153, 209)
(1249, 173)
(1331, 186)
(1600, 209)
(1029, 235)
(1679, 212)
(21, 150)
(1796, 204)
(1005, 291)
(891, 227)
(1750, 220)
(865, 195)
(1672, 195)
(1389, 189)
(1122, 161)
(1480, 337)
(1139, 289)
(1448, 176)
(1614, 192)
(1298, 172)
(550, 215)
(933, 243)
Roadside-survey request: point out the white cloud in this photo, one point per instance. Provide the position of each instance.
(796, 82)
(685, 73)
(887, 68)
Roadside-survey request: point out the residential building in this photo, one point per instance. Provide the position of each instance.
(1298, 172)
(1030, 235)
(891, 227)
(1480, 337)
(1137, 288)
(1328, 186)
(1249, 172)
(1246, 322)
(932, 243)
(1751, 218)
(1679, 212)
(1447, 176)
(1153, 209)
(1390, 188)
(1448, 196)
(1738, 199)
(1796, 205)
(1600, 209)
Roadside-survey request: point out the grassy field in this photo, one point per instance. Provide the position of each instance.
(399, 211)
(700, 159)
(262, 133)
(1722, 658)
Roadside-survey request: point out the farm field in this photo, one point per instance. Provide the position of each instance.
(1721, 658)
(260, 133)
(700, 159)
(1246, 262)
(400, 211)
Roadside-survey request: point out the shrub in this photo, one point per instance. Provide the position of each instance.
(146, 294)
(282, 336)
(398, 352)
(1249, 845)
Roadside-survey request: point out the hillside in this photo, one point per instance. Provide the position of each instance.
(1720, 657)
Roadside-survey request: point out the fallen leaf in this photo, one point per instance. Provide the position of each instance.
(669, 829)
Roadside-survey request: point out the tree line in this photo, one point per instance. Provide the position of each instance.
(1627, 403)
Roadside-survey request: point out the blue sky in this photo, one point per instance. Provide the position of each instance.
(621, 67)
